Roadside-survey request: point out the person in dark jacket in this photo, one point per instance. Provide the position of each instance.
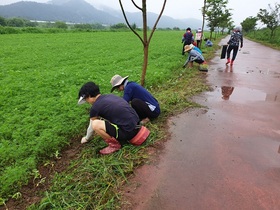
(187, 39)
(111, 117)
(144, 103)
(236, 39)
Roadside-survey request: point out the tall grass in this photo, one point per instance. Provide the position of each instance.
(40, 77)
(263, 36)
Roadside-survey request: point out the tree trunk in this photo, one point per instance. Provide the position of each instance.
(203, 22)
(145, 64)
(145, 42)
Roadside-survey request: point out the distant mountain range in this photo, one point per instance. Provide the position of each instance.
(79, 11)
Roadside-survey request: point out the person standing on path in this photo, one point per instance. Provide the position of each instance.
(236, 38)
(144, 103)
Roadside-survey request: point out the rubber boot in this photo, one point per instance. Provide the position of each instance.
(228, 61)
(113, 146)
(231, 63)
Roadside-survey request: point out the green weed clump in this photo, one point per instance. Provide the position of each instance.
(40, 77)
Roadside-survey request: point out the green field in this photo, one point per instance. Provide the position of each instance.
(40, 77)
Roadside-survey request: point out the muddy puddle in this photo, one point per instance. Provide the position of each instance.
(242, 95)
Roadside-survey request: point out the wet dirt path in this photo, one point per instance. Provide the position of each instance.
(224, 156)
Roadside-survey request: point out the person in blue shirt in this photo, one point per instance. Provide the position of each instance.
(208, 43)
(144, 103)
(194, 56)
(195, 48)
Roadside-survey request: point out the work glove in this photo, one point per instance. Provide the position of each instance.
(84, 140)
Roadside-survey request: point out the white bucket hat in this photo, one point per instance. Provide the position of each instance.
(116, 81)
(82, 100)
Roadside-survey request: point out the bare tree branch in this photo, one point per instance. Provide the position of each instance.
(136, 5)
(128, 22)
(145, 40)
(155, 25)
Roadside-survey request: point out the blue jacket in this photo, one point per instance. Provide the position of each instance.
(195, 56)
(134, 90)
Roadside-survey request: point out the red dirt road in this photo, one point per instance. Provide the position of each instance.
(224, 156)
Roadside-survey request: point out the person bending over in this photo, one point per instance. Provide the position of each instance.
(111, 117)
(144, 103)
(194, 56)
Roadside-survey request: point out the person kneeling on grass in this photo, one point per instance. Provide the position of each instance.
(144, 103)
(194, 56)
(111, 117)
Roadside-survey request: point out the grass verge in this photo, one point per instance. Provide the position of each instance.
(43, 73)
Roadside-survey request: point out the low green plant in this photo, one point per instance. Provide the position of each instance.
(40, 78)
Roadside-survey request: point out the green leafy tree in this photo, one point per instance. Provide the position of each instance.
(145, 39)
(15, 22)
(31, 24)
(119, 26)
(225, 20)
(249, 24)
(216, 13)
(271, 18)
(60, 24)
(83, 26)
(98, 26)
(88, 26)
(3, 21)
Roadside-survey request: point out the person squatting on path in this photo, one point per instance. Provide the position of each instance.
(233, 44)
(194, 56)
(111, 117)
(144, 103)
(187, 39)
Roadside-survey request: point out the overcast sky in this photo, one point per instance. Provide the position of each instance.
(182, 8)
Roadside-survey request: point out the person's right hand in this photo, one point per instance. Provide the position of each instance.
(84, 140)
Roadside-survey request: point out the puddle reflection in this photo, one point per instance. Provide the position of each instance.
(226, 92)
(243, 95)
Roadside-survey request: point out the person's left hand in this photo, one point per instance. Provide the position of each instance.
(84, 140)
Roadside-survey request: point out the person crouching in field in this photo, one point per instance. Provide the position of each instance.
(144, 103)
(194, 56)
(111, 117)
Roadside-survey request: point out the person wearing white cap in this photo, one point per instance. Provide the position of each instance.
(111, 117)
(198, 37)
(144, 103)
